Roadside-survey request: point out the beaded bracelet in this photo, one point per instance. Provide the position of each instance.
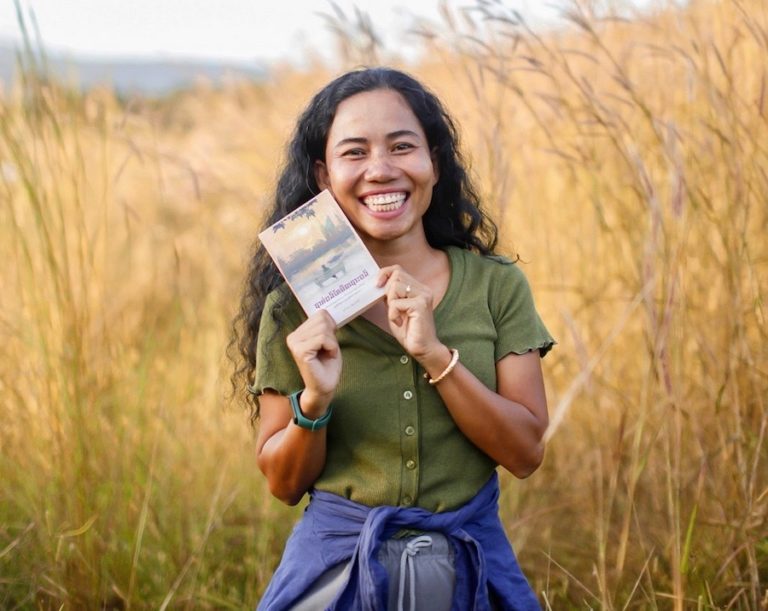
(449, 369)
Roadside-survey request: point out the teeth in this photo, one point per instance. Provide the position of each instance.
(385, 202)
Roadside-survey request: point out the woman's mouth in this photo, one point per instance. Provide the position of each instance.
(385, 202)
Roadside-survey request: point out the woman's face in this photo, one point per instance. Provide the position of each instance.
(378, 166)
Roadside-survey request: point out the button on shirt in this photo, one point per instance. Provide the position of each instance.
(391, 440)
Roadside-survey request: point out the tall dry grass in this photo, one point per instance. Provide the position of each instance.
(123, 481)
(626, 161)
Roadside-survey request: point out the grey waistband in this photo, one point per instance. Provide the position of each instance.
(421, 575)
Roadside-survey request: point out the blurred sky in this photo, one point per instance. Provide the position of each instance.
(239, 30)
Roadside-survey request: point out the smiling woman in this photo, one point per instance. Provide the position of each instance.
(395, 423)
(379, 168)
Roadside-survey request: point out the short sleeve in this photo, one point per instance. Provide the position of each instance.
(275, 367)
(519, 328)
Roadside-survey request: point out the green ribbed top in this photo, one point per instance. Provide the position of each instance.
(391, 440)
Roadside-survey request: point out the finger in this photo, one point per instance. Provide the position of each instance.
(320, 338)
(415, 302)
(330, 345)
(400, 287)
(403, 289)
(323, 319)
(385, 273)
(395, 274)
(319, 322)
(310, 339)
(313, 340)
(398, 291)
(402, 307)
(395, 317)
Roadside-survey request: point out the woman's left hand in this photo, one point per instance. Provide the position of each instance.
(409, 311)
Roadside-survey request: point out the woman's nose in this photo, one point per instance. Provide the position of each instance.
(379, 168)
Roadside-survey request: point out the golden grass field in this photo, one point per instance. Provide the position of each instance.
(627, 164)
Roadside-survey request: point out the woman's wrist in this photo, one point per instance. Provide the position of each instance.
(448, 369)
(313, 404)
(300, 418)
(435, 361)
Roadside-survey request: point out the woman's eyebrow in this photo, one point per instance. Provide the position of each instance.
(345, 141)
(400, 133)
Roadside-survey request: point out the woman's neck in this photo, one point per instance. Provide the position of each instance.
(415, 256)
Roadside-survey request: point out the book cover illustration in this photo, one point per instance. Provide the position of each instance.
(323, 259)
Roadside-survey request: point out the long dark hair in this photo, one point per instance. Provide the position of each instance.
(454, 216)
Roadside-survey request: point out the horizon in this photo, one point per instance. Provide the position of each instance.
(231, 32)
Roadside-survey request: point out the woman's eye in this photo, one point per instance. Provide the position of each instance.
(353, 153)
(403, 146)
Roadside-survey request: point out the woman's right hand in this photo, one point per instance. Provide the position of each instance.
(315, 349)
(292, 457)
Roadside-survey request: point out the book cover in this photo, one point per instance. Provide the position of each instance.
(323, 260)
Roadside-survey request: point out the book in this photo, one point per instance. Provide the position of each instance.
(323, 260)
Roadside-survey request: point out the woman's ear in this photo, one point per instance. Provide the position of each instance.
(435, 166)
(321, 175)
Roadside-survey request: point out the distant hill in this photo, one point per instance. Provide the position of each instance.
(154, 78)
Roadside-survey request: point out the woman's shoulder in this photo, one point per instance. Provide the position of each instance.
(277, 295)
(492, 268)
(282, 303)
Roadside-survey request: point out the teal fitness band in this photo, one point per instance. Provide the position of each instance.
(302, 420)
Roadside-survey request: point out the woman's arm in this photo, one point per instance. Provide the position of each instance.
(508, 424)
(292, 457)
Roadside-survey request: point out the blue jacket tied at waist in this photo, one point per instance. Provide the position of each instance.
(335, 530)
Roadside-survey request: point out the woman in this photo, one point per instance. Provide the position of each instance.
(423, 395)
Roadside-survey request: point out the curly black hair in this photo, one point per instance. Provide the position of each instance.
(454, 217)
